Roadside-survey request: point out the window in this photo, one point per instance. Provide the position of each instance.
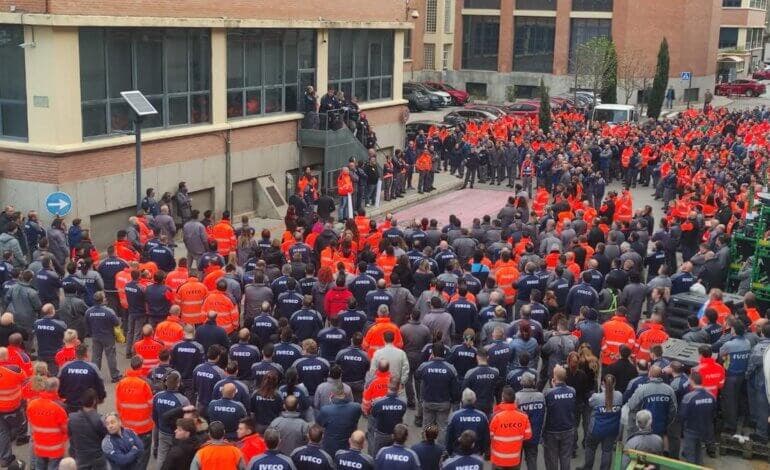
(430, 16)
(361, 63)
(476, 90)
(448, 7)
(760, 4)
(728, 38)
(480, 41)
(533, 44)
(583, 30)
(13, 83)
(525, 92)
(267, 70)
(754, 38)
(536, 4)
(591, 5)
(485, 4)
(691, 94)
(172, 67)
(731, 3)
(408, 44)
(446, 58)
(429, 56)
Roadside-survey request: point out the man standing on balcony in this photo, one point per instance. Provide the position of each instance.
(329, 102)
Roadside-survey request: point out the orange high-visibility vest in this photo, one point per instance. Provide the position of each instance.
(133, 400)
(149, 349)
(11, 382)
(190, 297)
(224, 235)
(169, 332)
(48, 423)
(386, 263)
(617, 332)
(176, 278)
(508, 430)
(362, 224)
(211, 279)
(655, 334)
(121, 279)
(227, 312)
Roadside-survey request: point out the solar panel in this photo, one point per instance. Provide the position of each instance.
(138, 102)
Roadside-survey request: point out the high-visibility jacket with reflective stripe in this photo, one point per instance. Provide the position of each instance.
(133, 400)
(150, 350)
(48, 423)
(655, 334)
(617, 332)
(169, 332)
(227, 312)
(11, 382)
(508, 431)
(190, 297)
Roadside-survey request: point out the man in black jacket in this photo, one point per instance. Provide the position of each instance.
(623, 369)
(186, 444)
(86, 429)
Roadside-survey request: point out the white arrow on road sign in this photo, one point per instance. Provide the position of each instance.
(61, 204)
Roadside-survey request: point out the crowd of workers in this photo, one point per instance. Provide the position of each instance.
(542, 324)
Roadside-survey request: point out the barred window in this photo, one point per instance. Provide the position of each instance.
(429, 56)
(533, 44)
(361, 63)
(448, 7)
(13, 83)
(480, 42)
(430, 16)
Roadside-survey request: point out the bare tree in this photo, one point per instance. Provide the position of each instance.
(589, 64)
(635, 73)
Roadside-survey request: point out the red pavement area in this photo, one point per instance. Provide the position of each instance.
(465, 204)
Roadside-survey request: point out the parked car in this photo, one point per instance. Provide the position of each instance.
(418, 100)
(740, 87)
(459, 97)
(498, 111)
(526, 108)
(615, 113)
(465, 114)
(763, 74)
(444, 95)
(436, 100)
(589, 95)
(414, 127)
(454, 119)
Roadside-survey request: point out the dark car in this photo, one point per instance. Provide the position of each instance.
(740, 87)
(414, 127)
(466, 114)
(418, 101)
(435, 100)
(528, 108)
(498, 111)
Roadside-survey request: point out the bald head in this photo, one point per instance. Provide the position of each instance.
(48, 310)
(6, 319)
(229, 390)
(357, 440)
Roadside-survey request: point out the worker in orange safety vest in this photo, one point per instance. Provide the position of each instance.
(224, 234)
(344, 189)
(48, 423)
(190, 297)
(219, 302)
(170, 331)
(617, 332)
(178, 276)
(653, 332)
(508, 430)
(133, 401)
(148, 348)
(378, 387)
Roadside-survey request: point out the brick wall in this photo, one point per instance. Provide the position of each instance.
(367, 10)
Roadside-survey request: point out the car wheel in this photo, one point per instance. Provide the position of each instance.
(749, 93)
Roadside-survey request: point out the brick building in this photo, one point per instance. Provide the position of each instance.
(226, 77)
(494, 47)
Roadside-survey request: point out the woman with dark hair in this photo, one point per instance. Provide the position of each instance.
(294, 387)
(266, 402)
(604, 423)
(524, 342)
(579, 380)
(404, 272)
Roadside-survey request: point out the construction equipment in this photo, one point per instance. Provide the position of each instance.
(640, 460)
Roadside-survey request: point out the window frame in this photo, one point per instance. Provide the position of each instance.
(16, 33)
(541, 5)
(573, 44)
(520, 22)
(732, 45)
(431, 16)
(592, 5)
(470, 50)
(110, 102)
(349, 84)
(265, 35)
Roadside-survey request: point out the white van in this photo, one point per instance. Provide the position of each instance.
(614, 113)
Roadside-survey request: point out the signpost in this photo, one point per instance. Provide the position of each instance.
(58, 204)
(142, 108)
(687, 76)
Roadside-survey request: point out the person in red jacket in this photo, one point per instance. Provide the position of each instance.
(336, 298)
(653, 333)
(249, 440)
(344, 189)
(712, 373)
(617, 332)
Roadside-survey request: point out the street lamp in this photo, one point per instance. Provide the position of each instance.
(142, 108)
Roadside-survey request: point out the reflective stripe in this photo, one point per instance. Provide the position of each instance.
(508, 439)
(192, 302)
(44, 430)
(134, 406)
(615, 343)
(506, 456)
(52, 447)
(137, 423)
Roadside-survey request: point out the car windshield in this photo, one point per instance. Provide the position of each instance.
(611, 115)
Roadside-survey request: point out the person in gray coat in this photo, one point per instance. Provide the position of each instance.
(558, 346)
(464, 246)
(439, 320)
(194, 238)
(415, 336)
(165, 223)
(23, 301)
(643, 440)
(508, 212)
(403, 301)
(72, 310)
(632, 297)
(325, 391)
(8, 242)
(291, 427)
(254, 295)
(57, 242)
(183, 203)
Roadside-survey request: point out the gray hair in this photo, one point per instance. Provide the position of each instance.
(383, 311)
(528, 380)
(469, 397)
(644, 420)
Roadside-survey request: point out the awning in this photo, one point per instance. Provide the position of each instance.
(731, 58)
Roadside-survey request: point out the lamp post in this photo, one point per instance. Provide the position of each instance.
(142, 108)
